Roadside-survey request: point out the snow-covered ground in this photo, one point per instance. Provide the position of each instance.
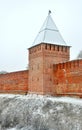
(36, 112)
(71, 100)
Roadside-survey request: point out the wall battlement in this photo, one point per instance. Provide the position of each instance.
(49, 47)
(68, 78)
(69, 65)
(50, 72)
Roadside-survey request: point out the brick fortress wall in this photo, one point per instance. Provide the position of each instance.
(35, 83)
(50, 72)
(41, 60)
(53, 54)
(68, 78)
(15, 82)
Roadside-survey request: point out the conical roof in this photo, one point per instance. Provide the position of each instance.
(49, 33)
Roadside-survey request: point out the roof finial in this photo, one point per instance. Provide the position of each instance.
(49, 12)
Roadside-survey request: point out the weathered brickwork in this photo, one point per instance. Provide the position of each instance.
(50, 73)
(35, 84)
(41, 60)
(68, 78)
(15, 82)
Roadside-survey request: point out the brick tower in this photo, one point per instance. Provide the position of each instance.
(49, 48)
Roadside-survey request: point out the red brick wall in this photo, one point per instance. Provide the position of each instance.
(41, 60)
(35, 84)
(68, 78)
(15, 82)
(53, 54)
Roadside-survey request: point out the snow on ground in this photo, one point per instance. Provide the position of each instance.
(72, 100)
(37, 112)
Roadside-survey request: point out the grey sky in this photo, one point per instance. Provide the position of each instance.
(21, 20)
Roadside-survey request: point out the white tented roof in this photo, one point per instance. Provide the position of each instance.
(49, 33)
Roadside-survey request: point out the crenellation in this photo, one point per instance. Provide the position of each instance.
(52, 48)
(15, 82)
(56, 48)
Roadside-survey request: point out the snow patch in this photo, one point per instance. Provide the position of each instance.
(77, 101)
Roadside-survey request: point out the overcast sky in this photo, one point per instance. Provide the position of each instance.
(21, 20)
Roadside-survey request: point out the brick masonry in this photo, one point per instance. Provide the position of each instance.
(41, 60)
(68, 78)
(50, 73)
(15, 82)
